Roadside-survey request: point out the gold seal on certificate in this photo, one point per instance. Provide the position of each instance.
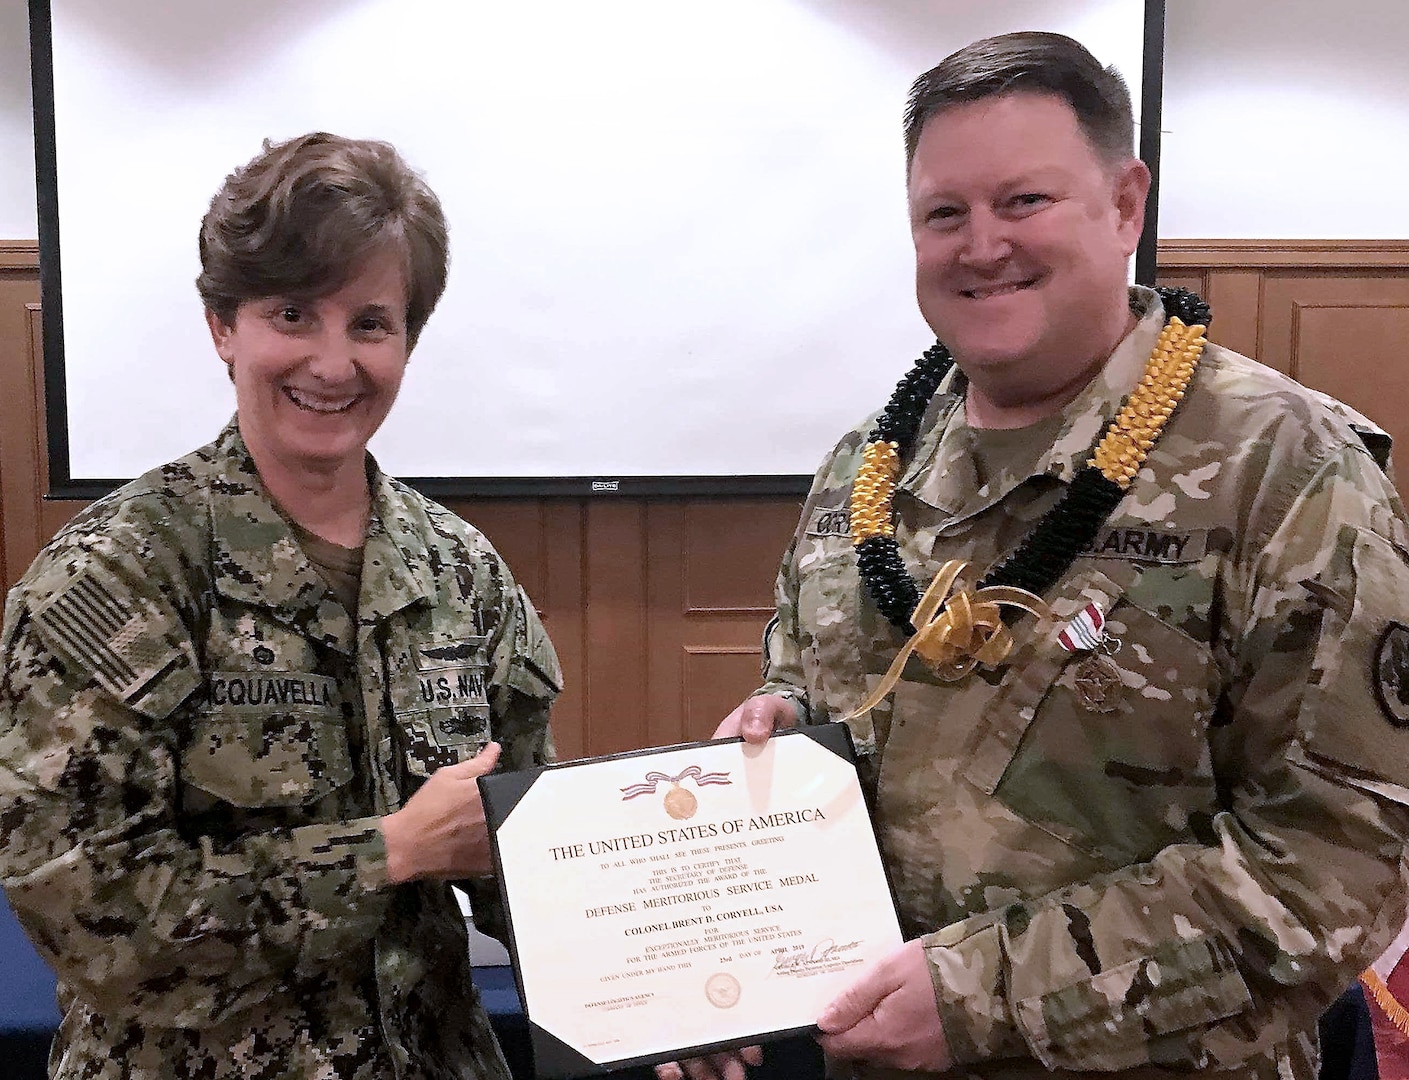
(697, 897)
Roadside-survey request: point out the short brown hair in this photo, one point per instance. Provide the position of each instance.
(303, 216)
(1030, 62)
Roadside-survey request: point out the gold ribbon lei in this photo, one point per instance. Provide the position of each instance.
(957, 631)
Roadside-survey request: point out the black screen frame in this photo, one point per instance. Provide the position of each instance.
(62, 485)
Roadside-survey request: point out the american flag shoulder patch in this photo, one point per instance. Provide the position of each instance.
(95, 623)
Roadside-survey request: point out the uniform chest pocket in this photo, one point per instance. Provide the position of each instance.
(445, 718)
(445, 736)
(252, 745)
(1108, 752)
(828, 599)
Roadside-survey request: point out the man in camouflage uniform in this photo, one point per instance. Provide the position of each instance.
(240, 733)
(1177, 867)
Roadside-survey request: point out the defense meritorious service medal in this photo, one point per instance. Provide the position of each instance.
(1096, 679)
(1098, 684)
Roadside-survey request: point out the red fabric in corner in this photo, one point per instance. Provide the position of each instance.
(1391, 1044)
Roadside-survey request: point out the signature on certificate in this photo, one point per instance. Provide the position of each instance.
(826, 951)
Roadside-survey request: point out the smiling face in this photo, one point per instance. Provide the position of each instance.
(1023, 235)
(315, 378)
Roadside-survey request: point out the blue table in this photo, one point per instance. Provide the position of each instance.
(28, 1011)
(26, 983)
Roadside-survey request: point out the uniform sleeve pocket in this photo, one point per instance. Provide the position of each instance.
(1107, 1021)
(1357, 704)
(255, 761)
(534, 670)
(834, 660)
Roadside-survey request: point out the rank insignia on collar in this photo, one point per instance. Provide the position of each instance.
(1390, 674)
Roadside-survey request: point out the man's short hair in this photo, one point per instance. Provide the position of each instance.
(302, 218)
(1031, 62)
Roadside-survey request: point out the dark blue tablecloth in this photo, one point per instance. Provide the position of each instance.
(26, 984)
(28, 1013)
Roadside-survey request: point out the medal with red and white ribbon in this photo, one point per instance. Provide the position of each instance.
(1096, 679)
(1085, 632)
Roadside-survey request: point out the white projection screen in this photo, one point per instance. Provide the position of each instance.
(680, 261)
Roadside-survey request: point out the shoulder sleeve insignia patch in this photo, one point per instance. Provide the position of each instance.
(534, 670)
(764, 651)
(126, 644)
(1390, 674)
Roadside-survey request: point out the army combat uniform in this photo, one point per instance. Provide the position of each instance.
(196, 743)
(1178, 866)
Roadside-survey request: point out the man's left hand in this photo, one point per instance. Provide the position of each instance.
(889, 1016)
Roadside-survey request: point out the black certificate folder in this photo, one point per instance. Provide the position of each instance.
(673, 902)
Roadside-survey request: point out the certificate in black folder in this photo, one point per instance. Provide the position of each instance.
(674, 902)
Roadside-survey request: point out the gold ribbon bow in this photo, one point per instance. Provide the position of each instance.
(958, 632)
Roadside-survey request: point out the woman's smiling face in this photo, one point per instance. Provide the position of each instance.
(315, 378)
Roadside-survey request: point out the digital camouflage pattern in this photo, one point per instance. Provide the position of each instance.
(196, 743)
(1184, 881)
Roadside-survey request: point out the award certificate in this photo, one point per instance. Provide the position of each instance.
(671, 902)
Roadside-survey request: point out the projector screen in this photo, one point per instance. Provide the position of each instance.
(680, 260)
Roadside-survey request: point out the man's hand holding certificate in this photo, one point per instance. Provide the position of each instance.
(667, 903)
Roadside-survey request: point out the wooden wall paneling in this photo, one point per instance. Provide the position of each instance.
(1183, 279)
(1234, 296)
(616, 548)
(22, 456)
(711, 572)
(731, 554)
(541, 540)
(564, 571)
(713, 679)
(1236, 299)
(665, 585)
(55, 514)
(1345, 333)
(1237, 273)
(1369, 255)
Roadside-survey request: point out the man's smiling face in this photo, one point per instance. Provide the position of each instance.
(1023, 235)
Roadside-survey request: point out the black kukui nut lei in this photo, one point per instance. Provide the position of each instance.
(1054, 542)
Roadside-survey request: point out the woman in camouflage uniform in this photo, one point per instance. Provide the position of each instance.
(245, 697)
